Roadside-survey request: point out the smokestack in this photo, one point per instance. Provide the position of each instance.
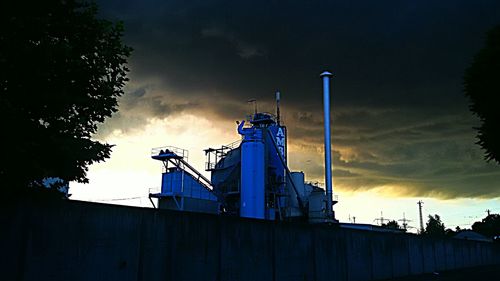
(328, 150)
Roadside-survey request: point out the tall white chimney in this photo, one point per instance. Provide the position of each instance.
(328, 149)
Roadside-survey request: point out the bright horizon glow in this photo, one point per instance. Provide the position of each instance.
(130, 174)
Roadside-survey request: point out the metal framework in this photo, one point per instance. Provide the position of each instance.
(214, 155)
(178, 158)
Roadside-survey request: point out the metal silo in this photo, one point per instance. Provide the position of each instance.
(252, 173)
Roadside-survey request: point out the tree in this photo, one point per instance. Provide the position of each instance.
(61, 72)
(482, 88)
(434, 227)
(392, 225)
(450, 232)
(489, 226)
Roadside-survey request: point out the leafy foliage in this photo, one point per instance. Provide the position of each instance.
(449, 232)
(489, 226)
(434, 227)
(392, 225)
(483, 89)
(61, 72)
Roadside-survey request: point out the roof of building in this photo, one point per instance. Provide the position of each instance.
(471, 235)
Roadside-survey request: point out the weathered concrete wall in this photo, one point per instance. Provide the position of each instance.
(86, 241)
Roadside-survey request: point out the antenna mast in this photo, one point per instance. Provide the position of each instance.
(278, 107)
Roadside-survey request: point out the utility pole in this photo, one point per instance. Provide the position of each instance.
(421, 218)
(488, 212)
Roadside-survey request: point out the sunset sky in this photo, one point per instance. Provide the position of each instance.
(401, 128)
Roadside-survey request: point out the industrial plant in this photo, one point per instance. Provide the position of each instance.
(249, 178)
(253, 219)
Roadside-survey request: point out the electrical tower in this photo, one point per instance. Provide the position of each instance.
(420, 203)
(405, 222)
(381, 219)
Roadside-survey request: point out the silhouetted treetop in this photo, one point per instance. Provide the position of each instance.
(61, 72)
(489, 226)
(482, 86)
(434, 227)
(392, 225)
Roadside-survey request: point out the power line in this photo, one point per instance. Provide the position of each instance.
(474, 212)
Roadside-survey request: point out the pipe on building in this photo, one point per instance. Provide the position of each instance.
(328, 152)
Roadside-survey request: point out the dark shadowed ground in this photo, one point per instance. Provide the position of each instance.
(476, 274)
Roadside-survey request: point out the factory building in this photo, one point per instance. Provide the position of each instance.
(249, 178)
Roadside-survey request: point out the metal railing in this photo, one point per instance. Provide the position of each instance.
(233, 145)
(178, 151)
(210, 165)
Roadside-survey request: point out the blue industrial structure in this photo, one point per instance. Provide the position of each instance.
(252, 193)
(182, 187)
(249, 178)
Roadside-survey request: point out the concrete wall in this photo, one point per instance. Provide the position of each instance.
(87, 241)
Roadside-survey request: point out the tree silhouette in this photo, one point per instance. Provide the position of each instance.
(434, 227)
(483, 89)
(392, 225)
(489, 226)
(61, 72)
(449, 232)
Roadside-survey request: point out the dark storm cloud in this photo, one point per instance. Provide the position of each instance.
(400, 116)
(420, 155)
(139, 105)
(403, 52)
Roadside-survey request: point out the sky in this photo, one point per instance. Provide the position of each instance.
(401, 128)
